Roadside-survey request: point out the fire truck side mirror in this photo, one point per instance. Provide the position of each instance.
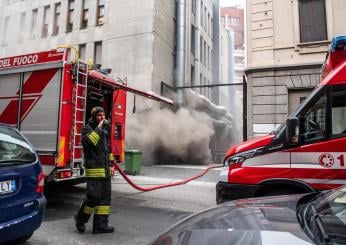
(292, 131)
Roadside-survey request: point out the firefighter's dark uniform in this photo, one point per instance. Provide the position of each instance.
(98, 177)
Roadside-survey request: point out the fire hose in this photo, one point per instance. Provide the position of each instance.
(181, 182)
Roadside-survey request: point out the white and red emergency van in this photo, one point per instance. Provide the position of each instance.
(48, 98)
(306, 153)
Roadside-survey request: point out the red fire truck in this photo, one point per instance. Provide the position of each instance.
(48, 98)
(305, 153)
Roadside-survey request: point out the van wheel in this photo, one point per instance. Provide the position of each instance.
(278, 190)
(22, 239)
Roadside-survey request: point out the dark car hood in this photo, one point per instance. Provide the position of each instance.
(271, 220)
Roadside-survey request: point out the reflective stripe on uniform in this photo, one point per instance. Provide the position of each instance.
(111, 157)
(88, 210)
(95, 172)
(103, 210)
(94, 137)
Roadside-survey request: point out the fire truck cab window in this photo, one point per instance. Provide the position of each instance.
(314, 120)
(338, 111)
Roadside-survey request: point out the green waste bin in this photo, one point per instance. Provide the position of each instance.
(133, 162)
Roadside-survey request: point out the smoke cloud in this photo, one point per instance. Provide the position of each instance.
(184, 134)
(192, 133)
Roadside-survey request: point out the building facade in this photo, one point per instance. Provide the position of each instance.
(141, 42)
(287, 43)
(232, 18)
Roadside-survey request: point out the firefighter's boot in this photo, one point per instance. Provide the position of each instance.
(80, 226)
(106, 229)
(100, 224)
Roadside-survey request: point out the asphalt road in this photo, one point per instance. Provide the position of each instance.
(138, 217)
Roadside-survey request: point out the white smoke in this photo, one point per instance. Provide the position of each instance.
(178, 133)
(190, 133)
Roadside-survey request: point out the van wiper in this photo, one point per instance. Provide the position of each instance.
(317, 218)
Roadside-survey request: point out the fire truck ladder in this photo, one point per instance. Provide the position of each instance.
(80, 97)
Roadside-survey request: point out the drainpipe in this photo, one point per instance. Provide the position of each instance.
(198, 43)
(216, 50)
(180, 49)
(231, 53)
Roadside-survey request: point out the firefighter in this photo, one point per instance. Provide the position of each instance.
(97, 162)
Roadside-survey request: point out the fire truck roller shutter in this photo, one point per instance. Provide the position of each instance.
(9, 95)
(40, 108)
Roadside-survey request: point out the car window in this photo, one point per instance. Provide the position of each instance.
(14, 149)
(332, 210)
(338, 112)
(314, 120)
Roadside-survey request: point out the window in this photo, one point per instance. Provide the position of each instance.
(201, 14)
(69, 25)
(57, 10)
(45, 25)
(209, 62)
(205, 54)
(82, 51)
(200, 82)
(192, 75)
(205, 18)
(223, 20)
(239, 60)
(208, 25)
(33, 25)
(14, 149)
(5, 31)
(194, 6)
(85, 14)
(193, 39)
(100, 12)
(211, 27)
(201, 49)
(21, 27)
(338, 111)
(98, 52)
(235, 21)
(314, 120)
(312, 20)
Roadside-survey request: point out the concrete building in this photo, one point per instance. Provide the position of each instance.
(286, 46)
(232, 18)
(174, 41)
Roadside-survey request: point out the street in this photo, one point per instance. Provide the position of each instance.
(138, 217)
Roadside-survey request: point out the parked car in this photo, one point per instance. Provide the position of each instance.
(313, 218)
(22, 201)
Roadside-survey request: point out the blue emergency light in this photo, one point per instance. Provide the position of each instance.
(338, 43)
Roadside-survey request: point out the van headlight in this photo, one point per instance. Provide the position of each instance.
(241, 157)
(233, 160)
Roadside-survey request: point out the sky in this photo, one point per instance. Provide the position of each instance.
(225, 3)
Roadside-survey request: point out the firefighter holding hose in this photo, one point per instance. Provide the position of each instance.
(97, 162)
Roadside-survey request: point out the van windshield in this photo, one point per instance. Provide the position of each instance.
(14, 149)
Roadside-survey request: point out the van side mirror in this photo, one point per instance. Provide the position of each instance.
(292, 131)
